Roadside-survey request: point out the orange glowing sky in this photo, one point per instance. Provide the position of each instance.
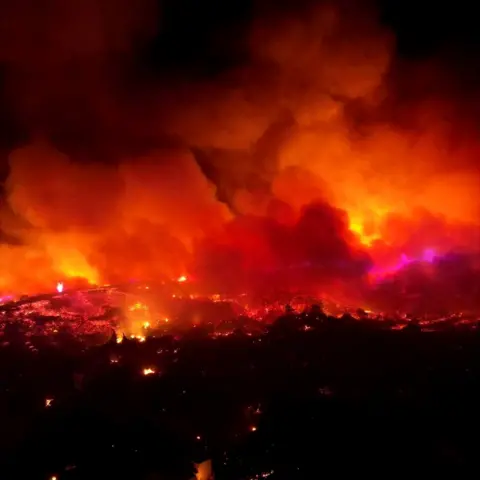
(143, 215)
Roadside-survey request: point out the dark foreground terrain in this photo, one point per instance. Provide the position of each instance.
(313, 397)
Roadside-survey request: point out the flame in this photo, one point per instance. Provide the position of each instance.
(358, 227)
(204, 470)
(148, 371)
(137, 321)
(138, 306)
(303, 157)
(140, 338)
(60, 287)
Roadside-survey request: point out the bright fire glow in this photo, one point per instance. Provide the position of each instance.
(138, 306)
(375, 172)
(148, 371)
(365, 238)
(139, 338)
(60, 287)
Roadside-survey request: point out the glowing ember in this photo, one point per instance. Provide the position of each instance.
(262, 475)
(148, 371)
(60, 287)
(48, 402)
(138, 306)
(182, 279)
(139, 338)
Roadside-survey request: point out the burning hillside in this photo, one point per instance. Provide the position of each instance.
(138, 312)
(301, 165)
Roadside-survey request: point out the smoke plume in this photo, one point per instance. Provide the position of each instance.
(304, 159)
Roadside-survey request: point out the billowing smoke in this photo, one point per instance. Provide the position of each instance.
(278, 251)
(136, 220)
(300, 162)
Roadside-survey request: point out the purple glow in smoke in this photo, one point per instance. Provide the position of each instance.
(428, 256)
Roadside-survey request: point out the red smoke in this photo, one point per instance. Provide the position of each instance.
(299, 168)
(281, 251)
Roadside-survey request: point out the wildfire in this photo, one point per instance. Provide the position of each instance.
(366, 239)
(366, 222)
(139, 338)
(336, 177)
(262, 475)
(138, 306)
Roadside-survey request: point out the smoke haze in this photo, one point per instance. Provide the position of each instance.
(299, 151)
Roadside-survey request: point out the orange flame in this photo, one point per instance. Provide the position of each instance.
(313, 117)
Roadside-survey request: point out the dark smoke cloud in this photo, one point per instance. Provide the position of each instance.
(264, 253)
(64, 62)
